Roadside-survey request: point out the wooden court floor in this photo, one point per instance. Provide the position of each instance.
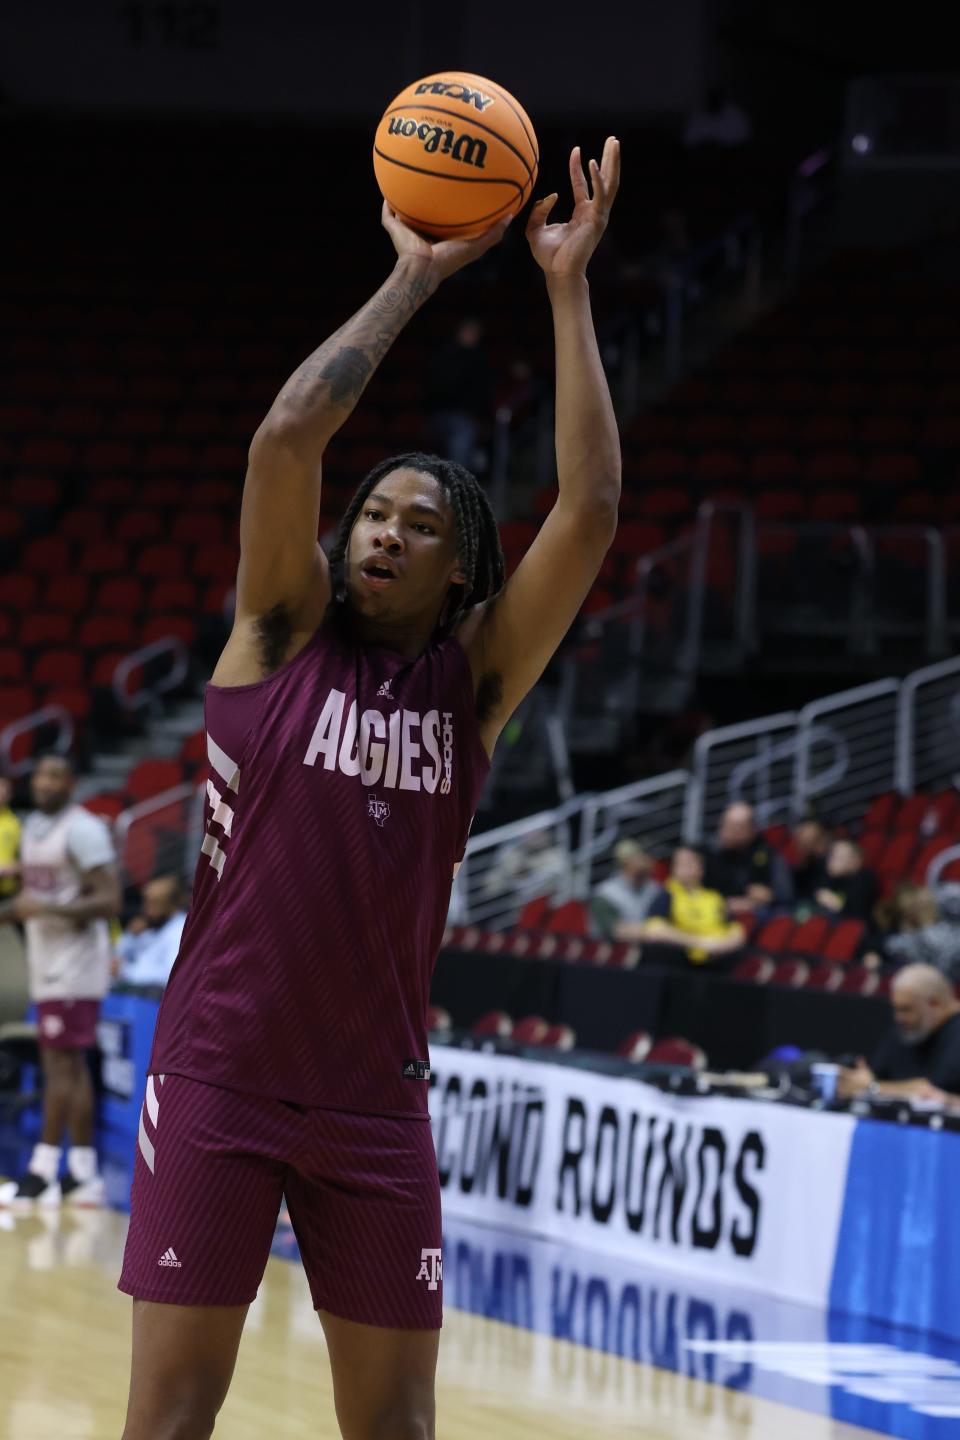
(64, 1355)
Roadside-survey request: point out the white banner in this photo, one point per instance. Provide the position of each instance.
(733, 1190)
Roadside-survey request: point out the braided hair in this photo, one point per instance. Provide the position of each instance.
(479, 552)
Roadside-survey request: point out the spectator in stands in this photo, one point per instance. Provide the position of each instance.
(811, 840)
(459, 394)
(749, 874)
(535, 864)
(721, 121)
(687, 914)
(920, 1058)
(70, 891)
(9, 842)
(149, 945)
(935, 942)
(626, 896)
(850, 891)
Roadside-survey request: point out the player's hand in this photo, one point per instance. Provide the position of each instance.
(565, 249)
(27, 907)
(441, 258)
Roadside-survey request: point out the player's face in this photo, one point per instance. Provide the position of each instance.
(402, 555)
(51, 785)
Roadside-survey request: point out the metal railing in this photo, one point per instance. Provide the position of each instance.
(753, 761)
(649, 811)
(504, 868)
(133, 689)
(37, 721)
(160, 835)
(846, 750)
(928, 728)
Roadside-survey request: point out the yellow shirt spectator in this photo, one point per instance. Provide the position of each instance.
(9, 850)
(685, 912)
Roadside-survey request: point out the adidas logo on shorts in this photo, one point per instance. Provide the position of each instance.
(168, 1258)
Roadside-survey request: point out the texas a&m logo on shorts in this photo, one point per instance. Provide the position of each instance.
(431, 1268)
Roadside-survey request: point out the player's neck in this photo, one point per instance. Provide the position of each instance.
(408, 638)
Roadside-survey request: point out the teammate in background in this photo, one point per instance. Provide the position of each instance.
(70, 891)
(9, 842)
(350, 723)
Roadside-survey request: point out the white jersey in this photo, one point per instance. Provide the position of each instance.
(68, 959)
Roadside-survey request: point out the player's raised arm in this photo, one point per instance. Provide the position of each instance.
(510, 644)
(283, 573)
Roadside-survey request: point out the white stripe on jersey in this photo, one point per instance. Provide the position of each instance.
(227, 769)
(222, 813)
(153, 1104)
(217, 856)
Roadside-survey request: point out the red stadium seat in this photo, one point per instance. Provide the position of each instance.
(49, 555)
(137, 526)
(636, 1047)
(882, 811)
(86, 523)
(104, 557)
(152, 777)
(174, 594)
(73, 699)
(531, 1030)
(559, 1037)
(109, 804)
(161, 560)
(199, 527)
(122, 594)
(825, 977)
(102, 631)
(758, 969)
(215, 561)
(12, 665)
(59, 667)
(16, 701)
(161, 627)
(808, 938)
(67, 592)
(51, 627)
(18, 592)
(534, 912)
(791, 972)
(858, 980)
(844, 941)
(438, 1019)
(193, 751)
(571, 918)
(494, 1022)
(775, 935)
(673, 1050)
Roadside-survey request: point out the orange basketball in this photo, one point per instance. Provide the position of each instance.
(454, 153)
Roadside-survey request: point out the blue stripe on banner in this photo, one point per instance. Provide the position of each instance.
(898, 1250)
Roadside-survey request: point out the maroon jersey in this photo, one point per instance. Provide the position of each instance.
(341, 793)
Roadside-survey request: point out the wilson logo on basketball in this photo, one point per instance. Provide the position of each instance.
(467, 149)
(454, 90)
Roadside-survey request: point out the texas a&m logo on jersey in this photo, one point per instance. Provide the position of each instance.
(431, 1268)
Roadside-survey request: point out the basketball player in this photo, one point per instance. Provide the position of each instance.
(70, 891)
(350, 720)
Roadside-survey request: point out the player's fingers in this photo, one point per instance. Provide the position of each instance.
(599, 189)
(610, 167)
(541, 212)
(577, 178)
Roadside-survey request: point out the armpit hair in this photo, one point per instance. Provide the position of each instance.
(489, 695)
(274, 633)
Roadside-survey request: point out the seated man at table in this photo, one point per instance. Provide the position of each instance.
(747, 871)
(920, 1058)
(149, 945)
(688, 915)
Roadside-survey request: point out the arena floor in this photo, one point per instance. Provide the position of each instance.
(539, 1340)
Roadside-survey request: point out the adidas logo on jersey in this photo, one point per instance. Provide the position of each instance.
(385, 692)
(169, 1258)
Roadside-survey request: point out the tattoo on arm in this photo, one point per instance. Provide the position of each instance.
(335, 376)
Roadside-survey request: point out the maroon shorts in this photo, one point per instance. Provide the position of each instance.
(211, 1169)
(67, 1024)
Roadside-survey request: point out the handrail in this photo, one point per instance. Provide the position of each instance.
(133, 662)
(693, 820)
(906, 718)
(144, 808)
(47, 715)
(939, 863)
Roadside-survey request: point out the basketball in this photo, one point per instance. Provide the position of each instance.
(454, 153)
